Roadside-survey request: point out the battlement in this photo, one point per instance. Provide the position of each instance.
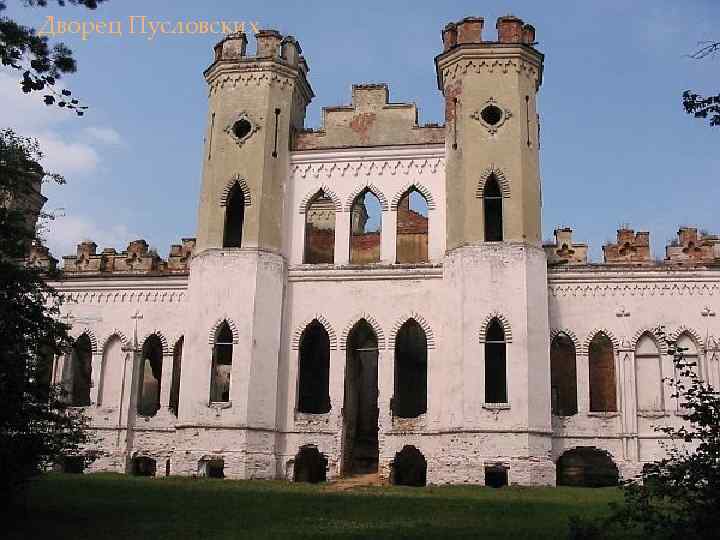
(631, 247)
(138, 258)
(564, 250)
(510, 29)
(692, 248)
(270, 45)
(370, 120)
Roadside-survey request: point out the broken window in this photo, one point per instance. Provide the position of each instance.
(496, 476)
(495, 363)
(493, 210)
(602, 375)
(221, 365)
(175, 384)
(409, 468)
(320, 230)
(148, 402)
(234, 217)
(310, 466)
(587, 467)
(212, 468)
(144, 466)
(77, 373)
(410, 396)
(314, 370)
(365, 229)
(111, 373)
(412, 228)
(686, 345)
(648, 375)
(563, 376)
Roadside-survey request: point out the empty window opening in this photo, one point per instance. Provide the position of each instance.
(148, 402)
(241, 128)
(176, 370)
(563, 376)
(685, 345)
(72, 464)
(221, 365)
(587, 467)
(212, 468)
(409, 468)
(320, 230)
(144, 466)
(495, 363)
(360, 408)
(493, 210)
(167, 467)
(310, 466)
(77, 373)
(365, 229)
(602, 375)
(491, 115)
(410, 397)
(314, 370)
(649, 375)
(496, 476)
(234, 217)
(111, 374)
(412, 228)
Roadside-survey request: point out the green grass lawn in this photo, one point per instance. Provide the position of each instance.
(108, 507)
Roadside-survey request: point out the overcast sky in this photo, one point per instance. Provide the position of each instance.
(616, 145)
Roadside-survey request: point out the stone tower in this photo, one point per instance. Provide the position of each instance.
(495, 267)
(237, 274)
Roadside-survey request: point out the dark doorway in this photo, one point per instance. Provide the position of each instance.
(409, 468)
(144, 466)
(410, 398)
(496, 476)
(587, 467)
(310, 466)
(360, 411)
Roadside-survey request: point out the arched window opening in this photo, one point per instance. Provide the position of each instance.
(602, 375)
(691, 361)
(493, 210)
(648, 375)
(409, 468)
(587, 467)
(360, 407)
(563, 376)
(77, 373)
(234, 217)
(144, 466)
(495, 363)
(176, 370)
(221, 365)
(148, 402)
(314, 370)
(320, 230)
(410, 396)
(412, 228)
(111, 373)
(310, 466)
(365, 229)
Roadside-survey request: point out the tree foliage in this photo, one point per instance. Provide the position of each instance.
(37, 427)
(704, 107)
(679, 495)
(41, 64)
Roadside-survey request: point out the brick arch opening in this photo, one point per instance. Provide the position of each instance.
(587, 466)
(310, 465)
(409, 468)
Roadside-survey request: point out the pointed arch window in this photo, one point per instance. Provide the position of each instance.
(365, 229)
(234, 217)
(221, 365)
(691, 360)
(493, 210)
(601, 360)
(148, 402)
(77, 373)
(410, 396)
(648, 376)
(320, 230)
(111, 373)
(563, 376)
(176, 370)
(495, 363)
(412, 228)
(314, 370)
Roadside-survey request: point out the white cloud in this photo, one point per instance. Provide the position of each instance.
(104, 135)
(65, 233)
(67, 158)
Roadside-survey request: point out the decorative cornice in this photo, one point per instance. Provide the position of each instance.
(503, 320)
(423, 190)
(126, 297)
(297, 335)
(312, 193)
(624, 288)
(501, 179)
(375, 167)
(429, 334)
(379, 334)
(242, 183)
